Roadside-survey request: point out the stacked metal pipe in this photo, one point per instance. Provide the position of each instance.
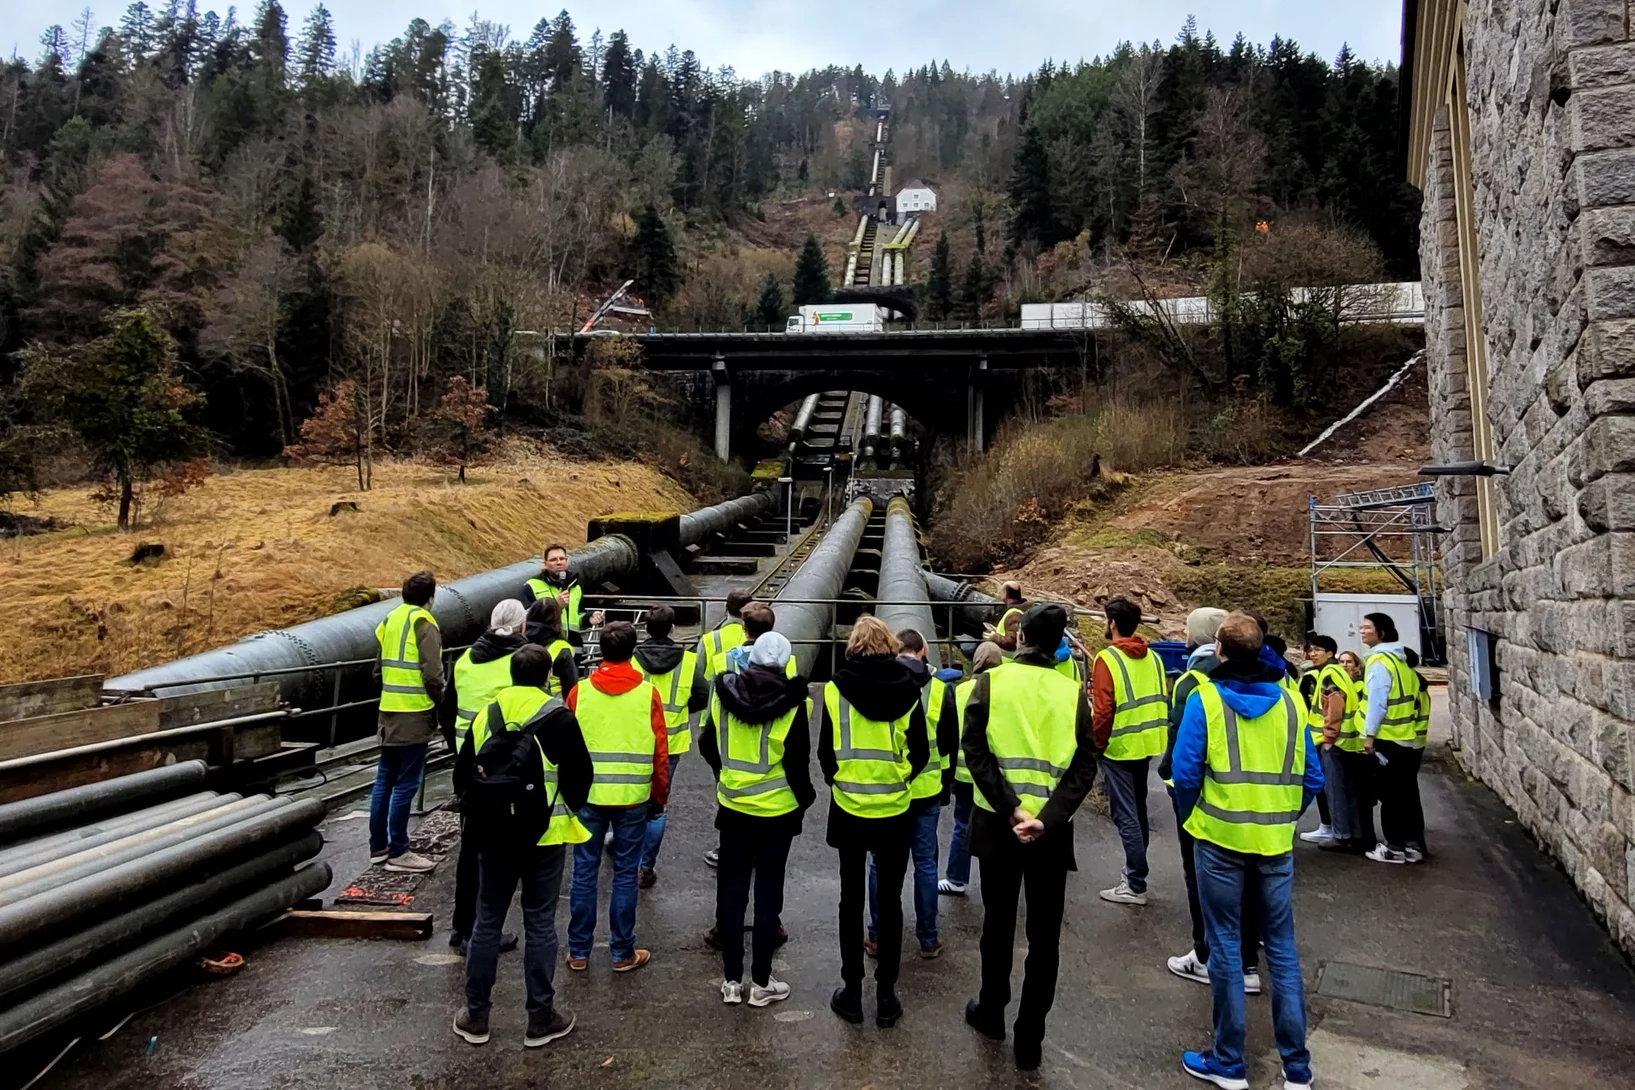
(106, 887)
(805, 606)
(901, 598)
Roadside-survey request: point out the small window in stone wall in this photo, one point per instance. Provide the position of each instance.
(1484, 665)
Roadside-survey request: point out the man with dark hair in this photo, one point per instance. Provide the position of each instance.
(557, 580)
(1129, 691)
(1012, 605)
(622, 716)
(544, 629)
(677, 673)
(409, 664)
(1391, 700)
(1030, 743)
(1320, 651)
(1244, 772)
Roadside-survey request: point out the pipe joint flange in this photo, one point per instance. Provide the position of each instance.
(465, 605)
(307, 653)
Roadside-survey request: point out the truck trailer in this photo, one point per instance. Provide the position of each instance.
(838, 318)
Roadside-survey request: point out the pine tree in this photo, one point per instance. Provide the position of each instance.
(770, 310)
(939, 287)
(657, 271)
(317, 47)
(619, 77)
(975, 291)
(811, 274)
(1032, 215)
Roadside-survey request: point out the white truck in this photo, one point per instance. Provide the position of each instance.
(838, 318)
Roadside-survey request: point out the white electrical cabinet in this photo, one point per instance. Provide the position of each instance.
(1340, 616)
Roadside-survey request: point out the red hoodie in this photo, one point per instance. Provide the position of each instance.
(614, 678)
(1101, 688)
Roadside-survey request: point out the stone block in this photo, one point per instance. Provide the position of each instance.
(1590, 22)
(1603, 119)
(1610, 293)
(1609, 397)
(1609, 446)
(1608, 503)
(1607, 350)
(1602, 66)
(1615, 749)
(1605, 178)
(1608, 235)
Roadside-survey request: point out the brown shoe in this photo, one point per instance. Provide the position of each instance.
(712, 939)
(634, 962)
(930, 951)
(871, 947)
(648, 877)
(579, 965)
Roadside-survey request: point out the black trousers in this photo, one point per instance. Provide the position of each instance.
(1359, 770)
(1003, 881)
(891, 861)
(746, 861)
(1402, 818)
(1250, 927)
(465, 885)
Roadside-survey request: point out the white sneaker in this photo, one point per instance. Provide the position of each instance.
(1290, 1084)
(775, 991)
(1122, 894)
(712, 858)
(732, 992)
(1188, 966)
(1382, 853)
(1413, 855)
(1319, 835)
(410, 863)
(376, 858)
(1251, 982)
(951, 887)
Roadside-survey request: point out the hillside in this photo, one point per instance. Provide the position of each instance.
(258, 549)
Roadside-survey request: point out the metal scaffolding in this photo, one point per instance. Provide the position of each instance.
(1388, 529)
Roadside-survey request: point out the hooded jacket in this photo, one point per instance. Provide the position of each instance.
(759, 695)
(614, 678)
(1377, 684)
(565, 668)
(945, 733)
(488, 647)
(660, 655)
(1201, 658)
(1102, 699)
(882, 688)
(1250, 689)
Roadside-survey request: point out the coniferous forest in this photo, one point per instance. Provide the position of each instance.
(221, 221)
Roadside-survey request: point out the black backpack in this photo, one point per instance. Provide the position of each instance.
(505, 800)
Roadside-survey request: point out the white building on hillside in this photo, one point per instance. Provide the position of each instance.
(916, 196)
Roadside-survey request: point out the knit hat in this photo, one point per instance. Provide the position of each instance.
(508, 618)
(987, 656)
(1203, 623)
(771, 649)
(1043, 625)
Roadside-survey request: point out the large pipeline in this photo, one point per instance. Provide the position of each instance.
(901, 596)
(35, 852)
(976, 608)
(723, 517)
(803, 420)
(46, 812)
(82, 994)
(310, 651)
(873, 441)
(823, 576)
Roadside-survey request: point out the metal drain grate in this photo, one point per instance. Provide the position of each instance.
(1386, 988)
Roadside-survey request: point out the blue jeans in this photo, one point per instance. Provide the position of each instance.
(924, 848)
(655, 827)
(539, 871)
(1222, 877)
(1342, 812)
(1127, 801)
(959, 844)
(629, 830)
(397, 779)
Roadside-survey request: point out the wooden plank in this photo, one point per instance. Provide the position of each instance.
(26, 783)
(217, 704)
(340, 924)
(41, 734)
(60, 694)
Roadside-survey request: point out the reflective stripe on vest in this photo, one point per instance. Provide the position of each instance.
(871, 780)
(571, 612)
(518, 706)
(755, 786)
(1316, 713)
(1401, 709)
(1032, 721)
(402, 687)
(928, 784)
(962, 697)
(1422, 714)
(1254, 776)
(713, 646)
(475, 686)
(676, 690)
(1140, 705)
(618, 733)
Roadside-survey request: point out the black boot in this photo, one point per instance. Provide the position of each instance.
(977, 1019)
(887, 1009)
(1029, 1054)
(847, 1002)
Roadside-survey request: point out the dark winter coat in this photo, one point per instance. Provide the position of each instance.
(882, 688)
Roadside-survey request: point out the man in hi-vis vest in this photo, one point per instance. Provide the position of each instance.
(1031, 746)
(409, 665)
(1129, 692)
(1245, 769)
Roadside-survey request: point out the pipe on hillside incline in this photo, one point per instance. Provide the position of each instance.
(84, 993)
(823, 576)
(52, 811)
(803, 420)
(977, 609)
(901, 597)
(311, 651)
(872, 439)
(701, 525)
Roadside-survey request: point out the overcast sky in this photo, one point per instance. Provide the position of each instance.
(757, 36)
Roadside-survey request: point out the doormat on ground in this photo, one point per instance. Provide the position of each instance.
(437, 836)
(1391, 988)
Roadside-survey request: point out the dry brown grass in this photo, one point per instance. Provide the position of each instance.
(258, 549)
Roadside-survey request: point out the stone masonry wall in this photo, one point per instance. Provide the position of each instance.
(1552, 115)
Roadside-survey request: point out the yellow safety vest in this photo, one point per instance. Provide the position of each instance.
(572, 613)
(962, 697)
(619, 734)
(519, 704)
(1033, 717)
(475, 686)
(714, 645)
(1315, 715)
(1006, 616)
(1401, 710)
(1422, 712)
(752, 779)
(928, 784)
(1198, 678)
(872, 778)
(402, 688)
(676, 688)
(554, 649)
(1254, 776)
(1140, 704)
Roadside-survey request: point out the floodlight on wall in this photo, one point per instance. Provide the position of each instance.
(1464, 469)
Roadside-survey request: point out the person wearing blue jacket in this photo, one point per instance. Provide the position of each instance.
(1244, 773)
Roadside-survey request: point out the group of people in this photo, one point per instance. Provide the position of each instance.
(549, 763)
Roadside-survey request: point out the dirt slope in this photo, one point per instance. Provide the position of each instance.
(259, 549)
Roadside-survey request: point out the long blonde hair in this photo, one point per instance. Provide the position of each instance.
(871, 636)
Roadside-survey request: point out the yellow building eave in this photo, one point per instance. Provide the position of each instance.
(1429, 50)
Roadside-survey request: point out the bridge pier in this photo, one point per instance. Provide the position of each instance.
(975, 411)
(723, 407)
